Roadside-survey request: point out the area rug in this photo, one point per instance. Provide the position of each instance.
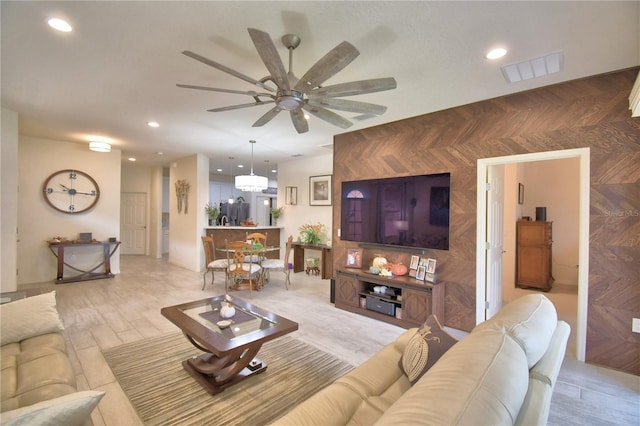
(163, 393)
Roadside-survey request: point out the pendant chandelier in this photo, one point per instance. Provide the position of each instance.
(251, 182)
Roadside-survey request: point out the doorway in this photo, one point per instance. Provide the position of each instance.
(485, 292)
(134, 223)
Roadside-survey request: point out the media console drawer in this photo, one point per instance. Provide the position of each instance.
(375, 304)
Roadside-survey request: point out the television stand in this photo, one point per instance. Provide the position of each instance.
(407, 303)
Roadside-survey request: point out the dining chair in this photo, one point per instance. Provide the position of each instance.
(259, 242)
(280, 264)
(241, 265)
(212, 264)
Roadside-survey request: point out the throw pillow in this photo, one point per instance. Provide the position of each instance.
(29, 317)
(425, 348)
(72, 409)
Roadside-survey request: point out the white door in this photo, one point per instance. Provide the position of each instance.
(133, 225)
(495, 241)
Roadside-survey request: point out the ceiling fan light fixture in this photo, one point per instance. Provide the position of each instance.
(289, 100)
(251, 182)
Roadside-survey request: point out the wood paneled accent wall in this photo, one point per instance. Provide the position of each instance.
(591, 112)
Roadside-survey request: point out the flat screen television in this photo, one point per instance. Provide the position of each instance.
(409, 211)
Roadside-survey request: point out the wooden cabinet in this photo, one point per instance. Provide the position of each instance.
(407, 303)
(533, 265)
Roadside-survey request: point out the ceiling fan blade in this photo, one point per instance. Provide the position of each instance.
(232, 107)
(327, 66)
(350, 106)
(354, 88)
(328, 116)
(215, 89)
(269, 55)
(227, 70)
(299, 122)
(267, 117)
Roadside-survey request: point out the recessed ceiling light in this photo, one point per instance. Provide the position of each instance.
(60, 25)
(160, 153)
(153, 124)
(274, 171)
(496, 53)
(240, 166)
(132, 159)
(218, 170)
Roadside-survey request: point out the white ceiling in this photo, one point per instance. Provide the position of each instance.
(118, 69)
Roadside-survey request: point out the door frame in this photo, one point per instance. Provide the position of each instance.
(583, 154)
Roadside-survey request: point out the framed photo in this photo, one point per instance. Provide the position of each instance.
(291, 195)
(354, 258)
(414, 262)
(422, 262)
(431, 266)
(430, 277)
(420, 273)
(320, 190)
(520, 194)
(413, 273)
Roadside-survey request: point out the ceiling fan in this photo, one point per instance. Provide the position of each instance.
(306, 93)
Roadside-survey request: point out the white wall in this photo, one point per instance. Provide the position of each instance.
(296, 173)
(9, 200)
(185, 247)
(38, 222)
(555, 185)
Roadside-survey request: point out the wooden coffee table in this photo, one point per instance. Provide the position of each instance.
(229, 350)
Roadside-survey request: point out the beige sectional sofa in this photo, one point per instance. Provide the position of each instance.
(37, 378)
(502, 373)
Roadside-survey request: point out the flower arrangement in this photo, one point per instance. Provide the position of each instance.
(311, 234)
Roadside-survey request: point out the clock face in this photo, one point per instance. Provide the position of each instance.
(71, 191)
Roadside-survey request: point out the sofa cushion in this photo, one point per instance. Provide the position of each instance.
(484, 377)
(424, 348)
(530, 320)
(29, 317)
(359, 397)
(72, 409)
(35, 370)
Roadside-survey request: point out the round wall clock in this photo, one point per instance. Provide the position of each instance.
(71, 191)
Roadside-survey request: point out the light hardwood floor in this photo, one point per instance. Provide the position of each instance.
(106, 313)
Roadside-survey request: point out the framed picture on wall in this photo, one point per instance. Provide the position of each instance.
(320, 190)
(291, 195)
(520, 194)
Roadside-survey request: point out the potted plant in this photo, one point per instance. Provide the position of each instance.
(275, 214)
(212, 212)
(311, 234)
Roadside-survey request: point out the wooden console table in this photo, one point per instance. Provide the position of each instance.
(58, 250)
(326, 258)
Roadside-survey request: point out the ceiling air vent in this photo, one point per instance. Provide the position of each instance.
(538, 67)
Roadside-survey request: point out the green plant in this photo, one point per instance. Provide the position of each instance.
(311, 234)
(212, 211)
(276, 213)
